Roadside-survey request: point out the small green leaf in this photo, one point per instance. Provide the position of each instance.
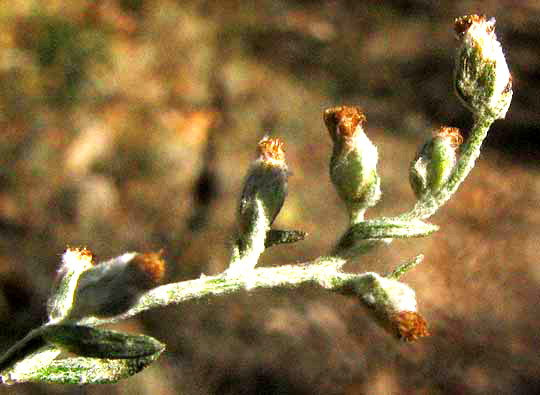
(100, 343)
(275, 237)
(405, 267)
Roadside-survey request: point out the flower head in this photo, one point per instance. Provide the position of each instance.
(266, 182)
(394, 306)
(343, 122)
(409, 325)
(353, 166)
(435, 161)
(113, 287)
(482, 78)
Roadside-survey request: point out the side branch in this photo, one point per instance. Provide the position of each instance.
(324, 272)
(391, 303)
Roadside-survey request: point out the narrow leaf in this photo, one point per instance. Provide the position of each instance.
(99, 343)
(385, 228)
(275, 237)
(405, 267)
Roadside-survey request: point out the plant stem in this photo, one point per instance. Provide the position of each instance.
(324, 272)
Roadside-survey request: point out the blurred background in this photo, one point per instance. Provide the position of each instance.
(130, 124)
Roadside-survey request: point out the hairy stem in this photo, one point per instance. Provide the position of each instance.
(324, 272)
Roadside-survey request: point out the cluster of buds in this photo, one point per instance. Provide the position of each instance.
(482, 79)
(353, 166)
(435, 161)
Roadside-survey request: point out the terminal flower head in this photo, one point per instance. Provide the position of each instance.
(482, 79)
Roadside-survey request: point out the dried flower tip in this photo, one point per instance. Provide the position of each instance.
(452, 135)
(271, 151)
(151, 265)
(86, 253)
(409, 325)
(464, 23)
(343, 121)
(480, 31)
(80, 257)
(75, 259)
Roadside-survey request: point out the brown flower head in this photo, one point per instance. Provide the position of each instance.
(80, 257)
(343, 121)
(481, 78)
(151, 266)
(409, 325)
(452, 135)
(270, 151)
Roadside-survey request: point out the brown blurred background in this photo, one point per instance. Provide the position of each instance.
(129, 125)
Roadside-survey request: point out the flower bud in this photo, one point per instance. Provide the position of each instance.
(266, 183)
(394, 306)
(354, 160)
(435, 162)
(481, 78)
(113, 287)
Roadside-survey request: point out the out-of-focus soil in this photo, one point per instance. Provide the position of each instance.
(129, 125)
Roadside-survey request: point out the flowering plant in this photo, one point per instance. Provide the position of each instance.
(89, 294)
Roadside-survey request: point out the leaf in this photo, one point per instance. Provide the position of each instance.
(405, 267)
(90, 370)
(275, 237)
(384, 228)
(100, 343)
